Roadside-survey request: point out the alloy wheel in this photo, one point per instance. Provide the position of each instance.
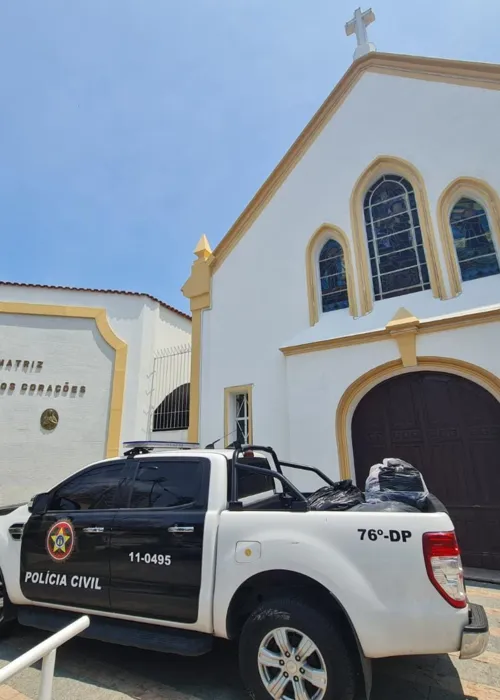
(291, 666)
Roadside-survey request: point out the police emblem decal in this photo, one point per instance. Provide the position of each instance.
(60, 540)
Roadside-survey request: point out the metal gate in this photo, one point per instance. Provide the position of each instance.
(170, 390)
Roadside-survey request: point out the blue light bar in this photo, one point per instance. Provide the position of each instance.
(161, 444)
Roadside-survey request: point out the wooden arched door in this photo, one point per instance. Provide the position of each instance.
(449, 428)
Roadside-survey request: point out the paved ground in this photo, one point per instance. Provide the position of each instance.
(91, 670)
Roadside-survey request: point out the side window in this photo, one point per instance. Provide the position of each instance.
(250, 484)
(170, 483)
(173, 412)
(94, 489)
(238, 414)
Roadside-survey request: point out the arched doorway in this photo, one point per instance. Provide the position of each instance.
(449, 428)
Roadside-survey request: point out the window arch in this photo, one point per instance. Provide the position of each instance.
(395, 244)
(473, 240)
(469, 224)
(380, 166)
(330, 274)
(173, 412)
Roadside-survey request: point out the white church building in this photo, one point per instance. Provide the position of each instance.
(352, 312)
(80, 372)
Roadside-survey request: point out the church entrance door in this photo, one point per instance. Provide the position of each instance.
(449, 428)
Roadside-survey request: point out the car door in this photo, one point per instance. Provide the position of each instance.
(65, 550)
(157, 541)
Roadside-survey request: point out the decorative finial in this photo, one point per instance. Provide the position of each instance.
(357, 25)
(203, 250)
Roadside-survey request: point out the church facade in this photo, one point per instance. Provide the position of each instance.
(79, 375)
(352, 312)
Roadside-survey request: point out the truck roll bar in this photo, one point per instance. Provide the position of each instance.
(287, 485)
(291, 465)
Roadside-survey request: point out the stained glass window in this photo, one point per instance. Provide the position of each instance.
(473, 240)
(332, 277)
(396, 250)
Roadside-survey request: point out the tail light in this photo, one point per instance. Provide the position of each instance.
(444, 566)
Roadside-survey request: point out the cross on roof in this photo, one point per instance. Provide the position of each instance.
(357, 25)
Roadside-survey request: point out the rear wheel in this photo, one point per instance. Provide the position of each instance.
(290, 651)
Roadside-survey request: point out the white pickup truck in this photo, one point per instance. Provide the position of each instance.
(166, 550)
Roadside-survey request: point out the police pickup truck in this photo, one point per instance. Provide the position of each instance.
(166, 550)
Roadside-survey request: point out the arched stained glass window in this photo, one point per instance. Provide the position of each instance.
(473, 240)
(332, 277)
(396, 250)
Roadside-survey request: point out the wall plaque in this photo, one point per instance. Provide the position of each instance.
(49, 419)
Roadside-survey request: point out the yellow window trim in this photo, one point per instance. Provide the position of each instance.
(476, 189)
(107, 333)
(327, 231)
(229, 392)
(386, 165)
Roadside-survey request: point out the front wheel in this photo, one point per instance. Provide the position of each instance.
(290, 651)
(7, 610)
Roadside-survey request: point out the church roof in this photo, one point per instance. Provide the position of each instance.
(483, 75)
(97, 291)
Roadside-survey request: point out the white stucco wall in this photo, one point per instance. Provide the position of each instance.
(172, 336)
(172, 329)
(64, 351)
(161, 329)
(259, 297)
(126, 315)
(143, 324)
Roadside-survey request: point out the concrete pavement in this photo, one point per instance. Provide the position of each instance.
(87, 669)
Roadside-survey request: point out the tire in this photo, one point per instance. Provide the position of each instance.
(330, 665)
(7, 610)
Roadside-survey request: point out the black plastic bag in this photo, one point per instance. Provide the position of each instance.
(396, 480)
(341, 496)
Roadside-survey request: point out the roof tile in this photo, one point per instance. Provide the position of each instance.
(97, 291)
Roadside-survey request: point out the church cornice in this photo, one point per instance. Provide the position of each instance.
(467, 73)
(402, 328)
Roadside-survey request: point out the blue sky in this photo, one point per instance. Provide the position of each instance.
(130, 127)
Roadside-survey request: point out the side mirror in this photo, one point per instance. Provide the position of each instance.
(39, 504)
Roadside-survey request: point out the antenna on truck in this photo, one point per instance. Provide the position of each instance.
(211, 445)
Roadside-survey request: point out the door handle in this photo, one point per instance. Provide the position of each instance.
(181, 528)
(93, 529)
